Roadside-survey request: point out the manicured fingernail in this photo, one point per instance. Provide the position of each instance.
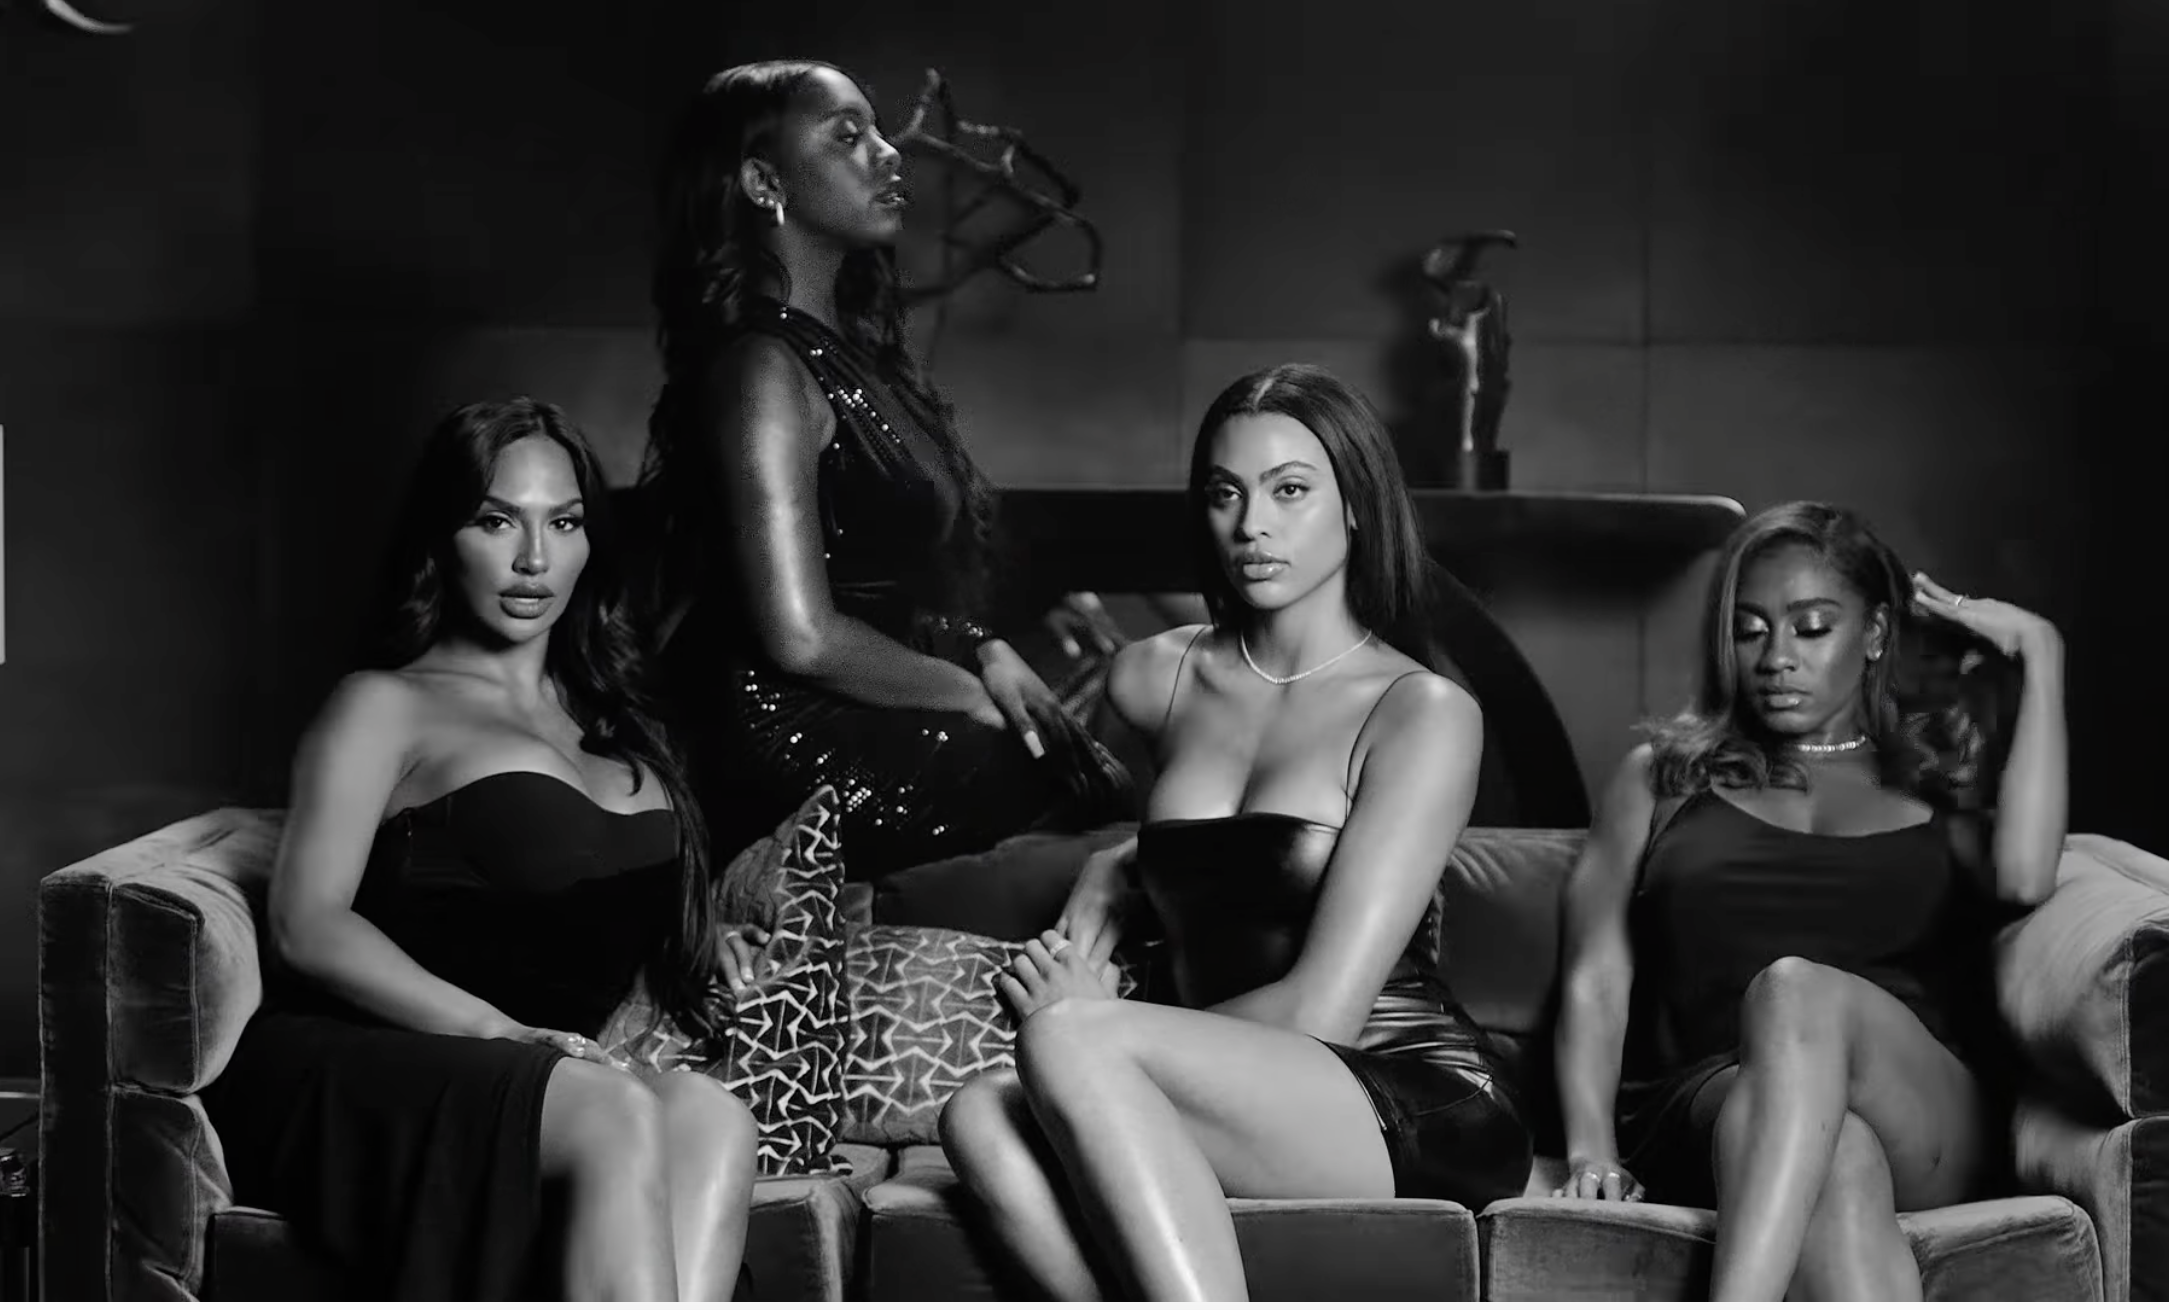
(1031, 743)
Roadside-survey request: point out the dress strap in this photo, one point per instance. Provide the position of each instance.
(1176, 690)
(1348, 783)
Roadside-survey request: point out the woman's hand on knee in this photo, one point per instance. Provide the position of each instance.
(1593, 1179)
(572, 1044)
(1051, 968)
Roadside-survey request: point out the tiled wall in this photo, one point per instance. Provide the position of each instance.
(1799, 247)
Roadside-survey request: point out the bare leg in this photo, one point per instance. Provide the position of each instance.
(1160, 1114)
(1817, 1043)
(602, 1135)
(1854, 1251)
(710, 1138)
(1005, 1161)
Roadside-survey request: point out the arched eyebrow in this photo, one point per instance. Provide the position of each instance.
(577, 502)
(1220, 470)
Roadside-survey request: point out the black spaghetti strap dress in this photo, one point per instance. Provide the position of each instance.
(1723, 895)
(915, 785)
(1234, 897)
(412, 1159)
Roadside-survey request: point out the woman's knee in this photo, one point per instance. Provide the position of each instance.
(979, 1120)
(599, 1122)
(1793, 999)
(700, 1114)
(1054, 1034)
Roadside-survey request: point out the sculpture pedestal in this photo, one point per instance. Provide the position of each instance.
(1479, 470)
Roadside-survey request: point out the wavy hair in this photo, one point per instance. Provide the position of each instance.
(709, 267)
(1391, 578)
(1928, 723)
(594, 659)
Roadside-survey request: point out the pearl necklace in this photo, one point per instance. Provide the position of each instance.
(1831, 748)
(1297, 677)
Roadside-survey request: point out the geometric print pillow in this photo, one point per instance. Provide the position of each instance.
(782, 1053)
(924, 1019)
(782, 1050)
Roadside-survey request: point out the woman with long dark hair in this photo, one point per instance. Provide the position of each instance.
(489, 839)
(1799, 877)
(1313, 779)
(826, 531)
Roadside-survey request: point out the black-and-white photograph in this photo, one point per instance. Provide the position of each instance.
(778, 650)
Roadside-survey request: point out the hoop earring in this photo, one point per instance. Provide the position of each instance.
(777, 210)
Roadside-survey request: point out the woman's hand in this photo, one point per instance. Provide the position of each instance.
(1080, 620)
(1024, 701)
(742, 953)
(1050, 969)
(1592, 1179)
(572, 1044)
(1091, 920)
(2017, 633)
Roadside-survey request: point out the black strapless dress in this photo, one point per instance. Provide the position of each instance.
(1235, 897)
(412, 1159)
(915, 785)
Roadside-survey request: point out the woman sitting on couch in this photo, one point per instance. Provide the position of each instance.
(1313, 778)
(1800, 869)
(489, 838)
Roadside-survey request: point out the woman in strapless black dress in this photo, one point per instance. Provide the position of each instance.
(1312, 782)
(1798, 884)
(488, 839)
(826, 531)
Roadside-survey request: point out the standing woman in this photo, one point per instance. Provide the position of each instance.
(1313, 779)
(826, 530)
(488, 841)
(1798, 877)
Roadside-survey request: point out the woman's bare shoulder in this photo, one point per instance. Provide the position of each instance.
(1142, 676)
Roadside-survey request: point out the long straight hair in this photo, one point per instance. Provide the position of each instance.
(594, 658)
(1390, 577)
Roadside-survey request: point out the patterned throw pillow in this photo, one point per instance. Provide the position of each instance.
(925, 1018)
(782, 1051)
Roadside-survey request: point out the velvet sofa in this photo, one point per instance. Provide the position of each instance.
(148, 971)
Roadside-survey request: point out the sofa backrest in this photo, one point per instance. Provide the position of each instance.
(1499, 947)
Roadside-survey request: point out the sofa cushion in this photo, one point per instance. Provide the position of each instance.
(2084, 979)
(801, 1240)
(2022, 1249)
(920, 1247)
(1012, 890)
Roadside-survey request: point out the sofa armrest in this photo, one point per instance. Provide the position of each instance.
(147, 973)
(2118, 1174)
(2083, 981)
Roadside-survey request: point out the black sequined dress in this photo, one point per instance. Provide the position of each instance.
(916, 785)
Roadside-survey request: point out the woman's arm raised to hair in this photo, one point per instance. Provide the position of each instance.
(770, 424)
(1597, 962)
(2032, 801)
(1413, 796)
(349, 762)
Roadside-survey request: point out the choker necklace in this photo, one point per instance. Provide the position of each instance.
(1297, 677)
(1831, 748)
